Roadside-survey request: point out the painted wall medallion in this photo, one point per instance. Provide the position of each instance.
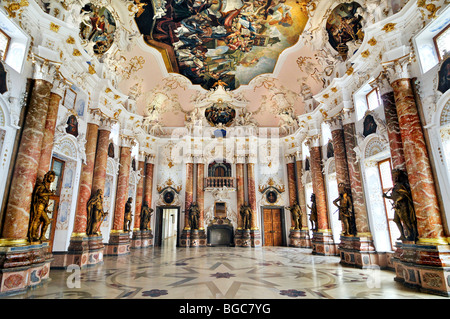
(444, 76)
(220, 113)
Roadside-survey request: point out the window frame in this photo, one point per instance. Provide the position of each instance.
(436, 47)
(384, 190)
(377, 91)
(7, 44)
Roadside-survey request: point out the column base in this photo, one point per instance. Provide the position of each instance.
(83, 252)
(198, 238)
(185, 238)
(24, 267)
(141, 239)
(423, 267)
(248, 238)
(299, 238)
(119, 244)
(323, 244)
(360, 252)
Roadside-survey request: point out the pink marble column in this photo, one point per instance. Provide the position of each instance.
(292, 189)
(17, 212)
(49, 134)
(423, 190)
(391, 117)
(340, 157)
(148, 184)
(101, 159)
(354, 171)
(87, 170)
(139, 195)
(251, 185)
(240, 193)
(301, 191)
(122, 186)
(201, 194)
(318, 184)
(189, 193)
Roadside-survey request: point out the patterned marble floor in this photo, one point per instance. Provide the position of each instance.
(223, 273)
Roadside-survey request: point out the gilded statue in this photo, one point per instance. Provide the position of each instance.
(313, 215)
(297, 214)
(404, 214)
(146, 214)
(39, 220)
(127, 215)
(345, 205)
(246, 214)
(194, 216)
(95, 213)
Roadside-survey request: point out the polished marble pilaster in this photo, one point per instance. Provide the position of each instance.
(305, 240)
(185, 240)
(136, 238)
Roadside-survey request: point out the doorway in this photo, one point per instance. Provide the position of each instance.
(167, 225)
(273, 221)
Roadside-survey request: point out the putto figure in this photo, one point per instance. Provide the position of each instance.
(39, 220)
(95, 214)
(404, 214)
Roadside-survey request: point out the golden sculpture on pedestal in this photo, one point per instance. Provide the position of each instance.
(345, 207)
(146, 214)
(246, 214)
(404, 214)
(313, 215)
(39, 220)
(297, 214)
(95, 214)
(194, 216)
(127, 215)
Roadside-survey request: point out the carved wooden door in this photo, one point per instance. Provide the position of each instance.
(273, 235)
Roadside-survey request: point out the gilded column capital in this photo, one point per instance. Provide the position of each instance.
(298, 155)
(335, 123)
(127, 141)
(106, 123)
(289, 158)
(313, 141)
(348, 116)
(95, 116)
(59, 85)
(382, 84)
(44, 69)
(151, 158)
(239, 159)
(398, 69)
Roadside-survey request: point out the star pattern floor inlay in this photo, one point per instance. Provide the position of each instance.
(224, 273)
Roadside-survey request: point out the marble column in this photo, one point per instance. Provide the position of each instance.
(294, 234)
(119, 241)
(391, 117)
(322, 241)
(305, 240)
(255, 233)
(147, 235)
(240, 199)
(136, 239)
(50, 125)
(198, 237)
(188, 199)
(17, 212)
(428, 258)
(357, 250)
(101, 155)
(340, 156)
(18, 264)
(78, 250)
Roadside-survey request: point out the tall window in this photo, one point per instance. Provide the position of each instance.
(442, 42)
(384, 168)
(4, 44)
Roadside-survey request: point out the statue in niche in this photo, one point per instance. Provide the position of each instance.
(95, 213)
(297, 214)
(246, 214)
(127, 216)
(194, 216)
(146, 214)
(345, 206)
(404, 214)
(313, 215)
(39, 220)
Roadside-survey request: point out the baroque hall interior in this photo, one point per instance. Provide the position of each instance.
(256, 148)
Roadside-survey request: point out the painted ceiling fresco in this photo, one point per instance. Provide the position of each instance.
(226, 42)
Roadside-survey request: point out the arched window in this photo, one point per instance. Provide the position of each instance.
(219, 169)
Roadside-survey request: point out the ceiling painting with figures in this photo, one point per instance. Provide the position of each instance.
(231, 41)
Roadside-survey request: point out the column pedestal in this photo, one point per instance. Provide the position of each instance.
(119, 244)
(141, 239)
(198, 238)
(424, 267)
(242, 238)
(96, 250)
(294, 236)
(360, 252)
(23, 268)
(136, 239)
(323, 244)
(185, 238)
